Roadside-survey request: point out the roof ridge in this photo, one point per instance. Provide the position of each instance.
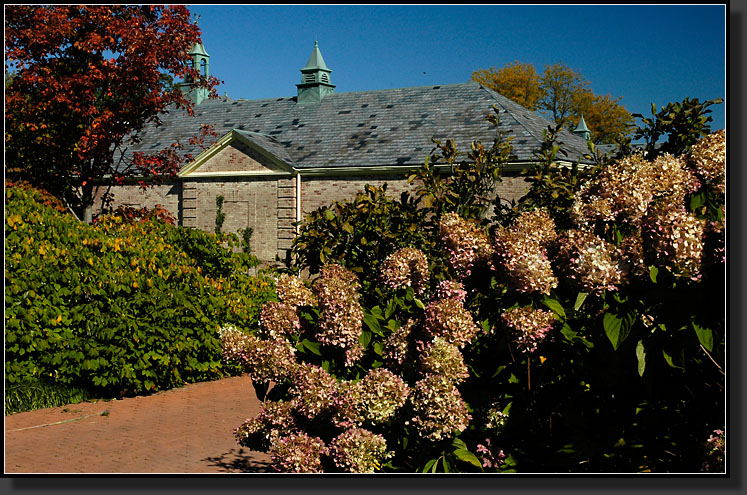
(493, 94)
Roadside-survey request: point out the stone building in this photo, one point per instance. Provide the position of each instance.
(276, 159)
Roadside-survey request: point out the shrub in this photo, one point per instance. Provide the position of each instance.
(125, 306)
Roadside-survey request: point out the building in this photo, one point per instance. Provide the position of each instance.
(276, 159)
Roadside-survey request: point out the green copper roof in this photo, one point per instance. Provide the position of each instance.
(198, 49)
(316, 61)
(582, 130)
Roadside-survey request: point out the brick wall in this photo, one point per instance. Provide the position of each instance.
(166, 195)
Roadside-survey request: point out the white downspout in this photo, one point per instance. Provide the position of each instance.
(298, 202)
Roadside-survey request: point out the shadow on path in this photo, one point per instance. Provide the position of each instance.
(241, 461)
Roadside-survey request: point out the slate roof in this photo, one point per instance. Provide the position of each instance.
(365, 128)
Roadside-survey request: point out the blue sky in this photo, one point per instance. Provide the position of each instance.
(642, 53)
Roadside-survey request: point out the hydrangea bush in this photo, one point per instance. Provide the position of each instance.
(508, 346)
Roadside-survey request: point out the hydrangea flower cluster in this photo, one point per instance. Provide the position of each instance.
(490, 458)
(234, 343)
(291, 290)
(449, 289)
(450, 320)
(443, 358)
(341, 319)
(359, 451)
(274, 419)
(315, 390)
(589, 261)
(495, 419)
(373, 399)
(707, 159)
(276, 320)
(671, 179)
(675, 237)
(530, 326)
(297, 453)
(269, 360)
(715, 448)
(465, 243)
(622, 191)
(406, 267)
(439, 410)
(396, 345)
(522, 255)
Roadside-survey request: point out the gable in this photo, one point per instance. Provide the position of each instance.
(236, 154)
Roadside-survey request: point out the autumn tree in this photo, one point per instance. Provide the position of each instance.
(518, 82)
(562, 95)
(86, 79)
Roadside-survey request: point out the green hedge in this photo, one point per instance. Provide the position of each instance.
(121, 307)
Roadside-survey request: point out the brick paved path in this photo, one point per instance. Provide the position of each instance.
(184, 430)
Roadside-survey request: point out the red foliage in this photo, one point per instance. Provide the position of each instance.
(85, 79)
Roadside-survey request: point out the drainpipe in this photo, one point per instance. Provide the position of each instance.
(298, 201)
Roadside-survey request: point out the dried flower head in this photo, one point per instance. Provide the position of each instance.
(449, 289)
(465, 243)
(673, 238)
(297, 453)
(492, 458)
(671, 179)
(529, 326)
(443, 358)
(449, 319)
(589, 261)
(439, 410)
(396, 345)
(270, 360)
(273, 420)
(278, 320)
(523, 261)
(235, 344)
(715, 448)
(315, 390)
(406, 267)
(341, 319)
(292, 290)
(707, 158)
(374, 399)
(359, 451)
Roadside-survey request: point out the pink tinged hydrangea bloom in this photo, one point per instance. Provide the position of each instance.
(270, 360)
(315, 390)
(715, 448)
(395, 348)
(491, 457)
(359, 451)
(235, 344)
(439, 410)
(374, 399)
(590, 262)
(450, 320)
(707, 159)
(465, 243)
(524, 262)
(674, 239)
(443, 358)
(529, 326)
(297, 453)
(341, 319)
(670, 179)
(407, 267)
(292, 290)
(278, 320)
(274, 420)
(450, 289)
(622, 191)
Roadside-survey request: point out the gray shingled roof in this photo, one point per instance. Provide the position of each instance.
(364, 128)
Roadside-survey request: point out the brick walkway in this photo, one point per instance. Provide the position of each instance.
(185, 430)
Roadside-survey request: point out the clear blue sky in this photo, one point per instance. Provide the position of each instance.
(642, 53)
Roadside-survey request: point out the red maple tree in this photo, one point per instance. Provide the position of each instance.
(81, 82)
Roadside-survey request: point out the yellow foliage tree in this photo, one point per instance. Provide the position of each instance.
(561, 94)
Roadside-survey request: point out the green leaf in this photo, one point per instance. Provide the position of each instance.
(312, 347)
(653, 272)
(365, 338)
(613, 327)
(673, 360)
(467, 456)
(640, 353)
(555, 306)
(705, 336)
(419, 303)
(430, 466)
(373, 323)
(579, 300)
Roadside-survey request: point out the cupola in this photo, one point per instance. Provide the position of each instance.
(315, 81)
(582, 130)
(200, 60)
